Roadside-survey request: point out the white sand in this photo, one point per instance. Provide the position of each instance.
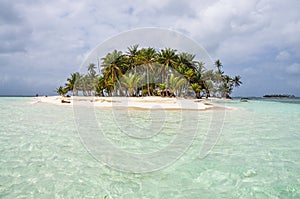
(129, 102)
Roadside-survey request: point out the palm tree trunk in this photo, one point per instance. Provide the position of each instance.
(136, 87)
(148, 86)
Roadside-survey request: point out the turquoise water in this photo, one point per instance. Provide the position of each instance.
(257, 154)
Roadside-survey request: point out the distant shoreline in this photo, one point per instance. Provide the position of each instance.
(279, 96)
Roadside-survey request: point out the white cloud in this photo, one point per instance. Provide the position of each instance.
(54, 36)
(283, 56)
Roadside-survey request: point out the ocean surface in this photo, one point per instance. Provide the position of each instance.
(254, 154)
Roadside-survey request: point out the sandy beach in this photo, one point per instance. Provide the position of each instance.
(129, 102)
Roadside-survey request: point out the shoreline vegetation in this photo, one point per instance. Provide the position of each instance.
(149, 72)
(165, 75)
(279, 96)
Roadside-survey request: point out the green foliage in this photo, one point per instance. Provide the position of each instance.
(175, 83)
(144, 92)
(61, 91)
(131, 83)
(135, 70)
(162, 86)
(71, 83)
(196, 88)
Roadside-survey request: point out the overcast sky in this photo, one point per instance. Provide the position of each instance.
(42, 42)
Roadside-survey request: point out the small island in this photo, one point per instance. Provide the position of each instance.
(146, 72)
(279, 96)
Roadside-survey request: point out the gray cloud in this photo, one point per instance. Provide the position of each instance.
(8, 14)
(13, 33)
(293, 69)
(46, 41)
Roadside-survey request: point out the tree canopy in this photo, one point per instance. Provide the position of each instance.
(151, 72)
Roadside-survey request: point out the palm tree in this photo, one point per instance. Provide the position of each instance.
(182, 63)
(236, 81)
(84, 84)
(226, 90)
(147, 56)
(109, 86)
(71, 84)
(207, 83)
(189, 75)
(227, 79)
(167, 57)
(132, 54)
(219, 66)
(113, 66)
(198, 72)
(92, 70)
(99, 85)
(196, 88)
(131, 83)
(200, 77)
(175, 83)
(186, 60)
(61, 91)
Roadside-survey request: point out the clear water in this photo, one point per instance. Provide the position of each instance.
(256, 156)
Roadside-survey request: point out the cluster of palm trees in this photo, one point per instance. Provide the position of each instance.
(151, 72)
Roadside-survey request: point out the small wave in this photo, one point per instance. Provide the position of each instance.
(249, 173)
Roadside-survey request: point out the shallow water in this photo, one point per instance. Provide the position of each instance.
(256, 155)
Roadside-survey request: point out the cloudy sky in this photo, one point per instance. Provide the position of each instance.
(42, 42)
